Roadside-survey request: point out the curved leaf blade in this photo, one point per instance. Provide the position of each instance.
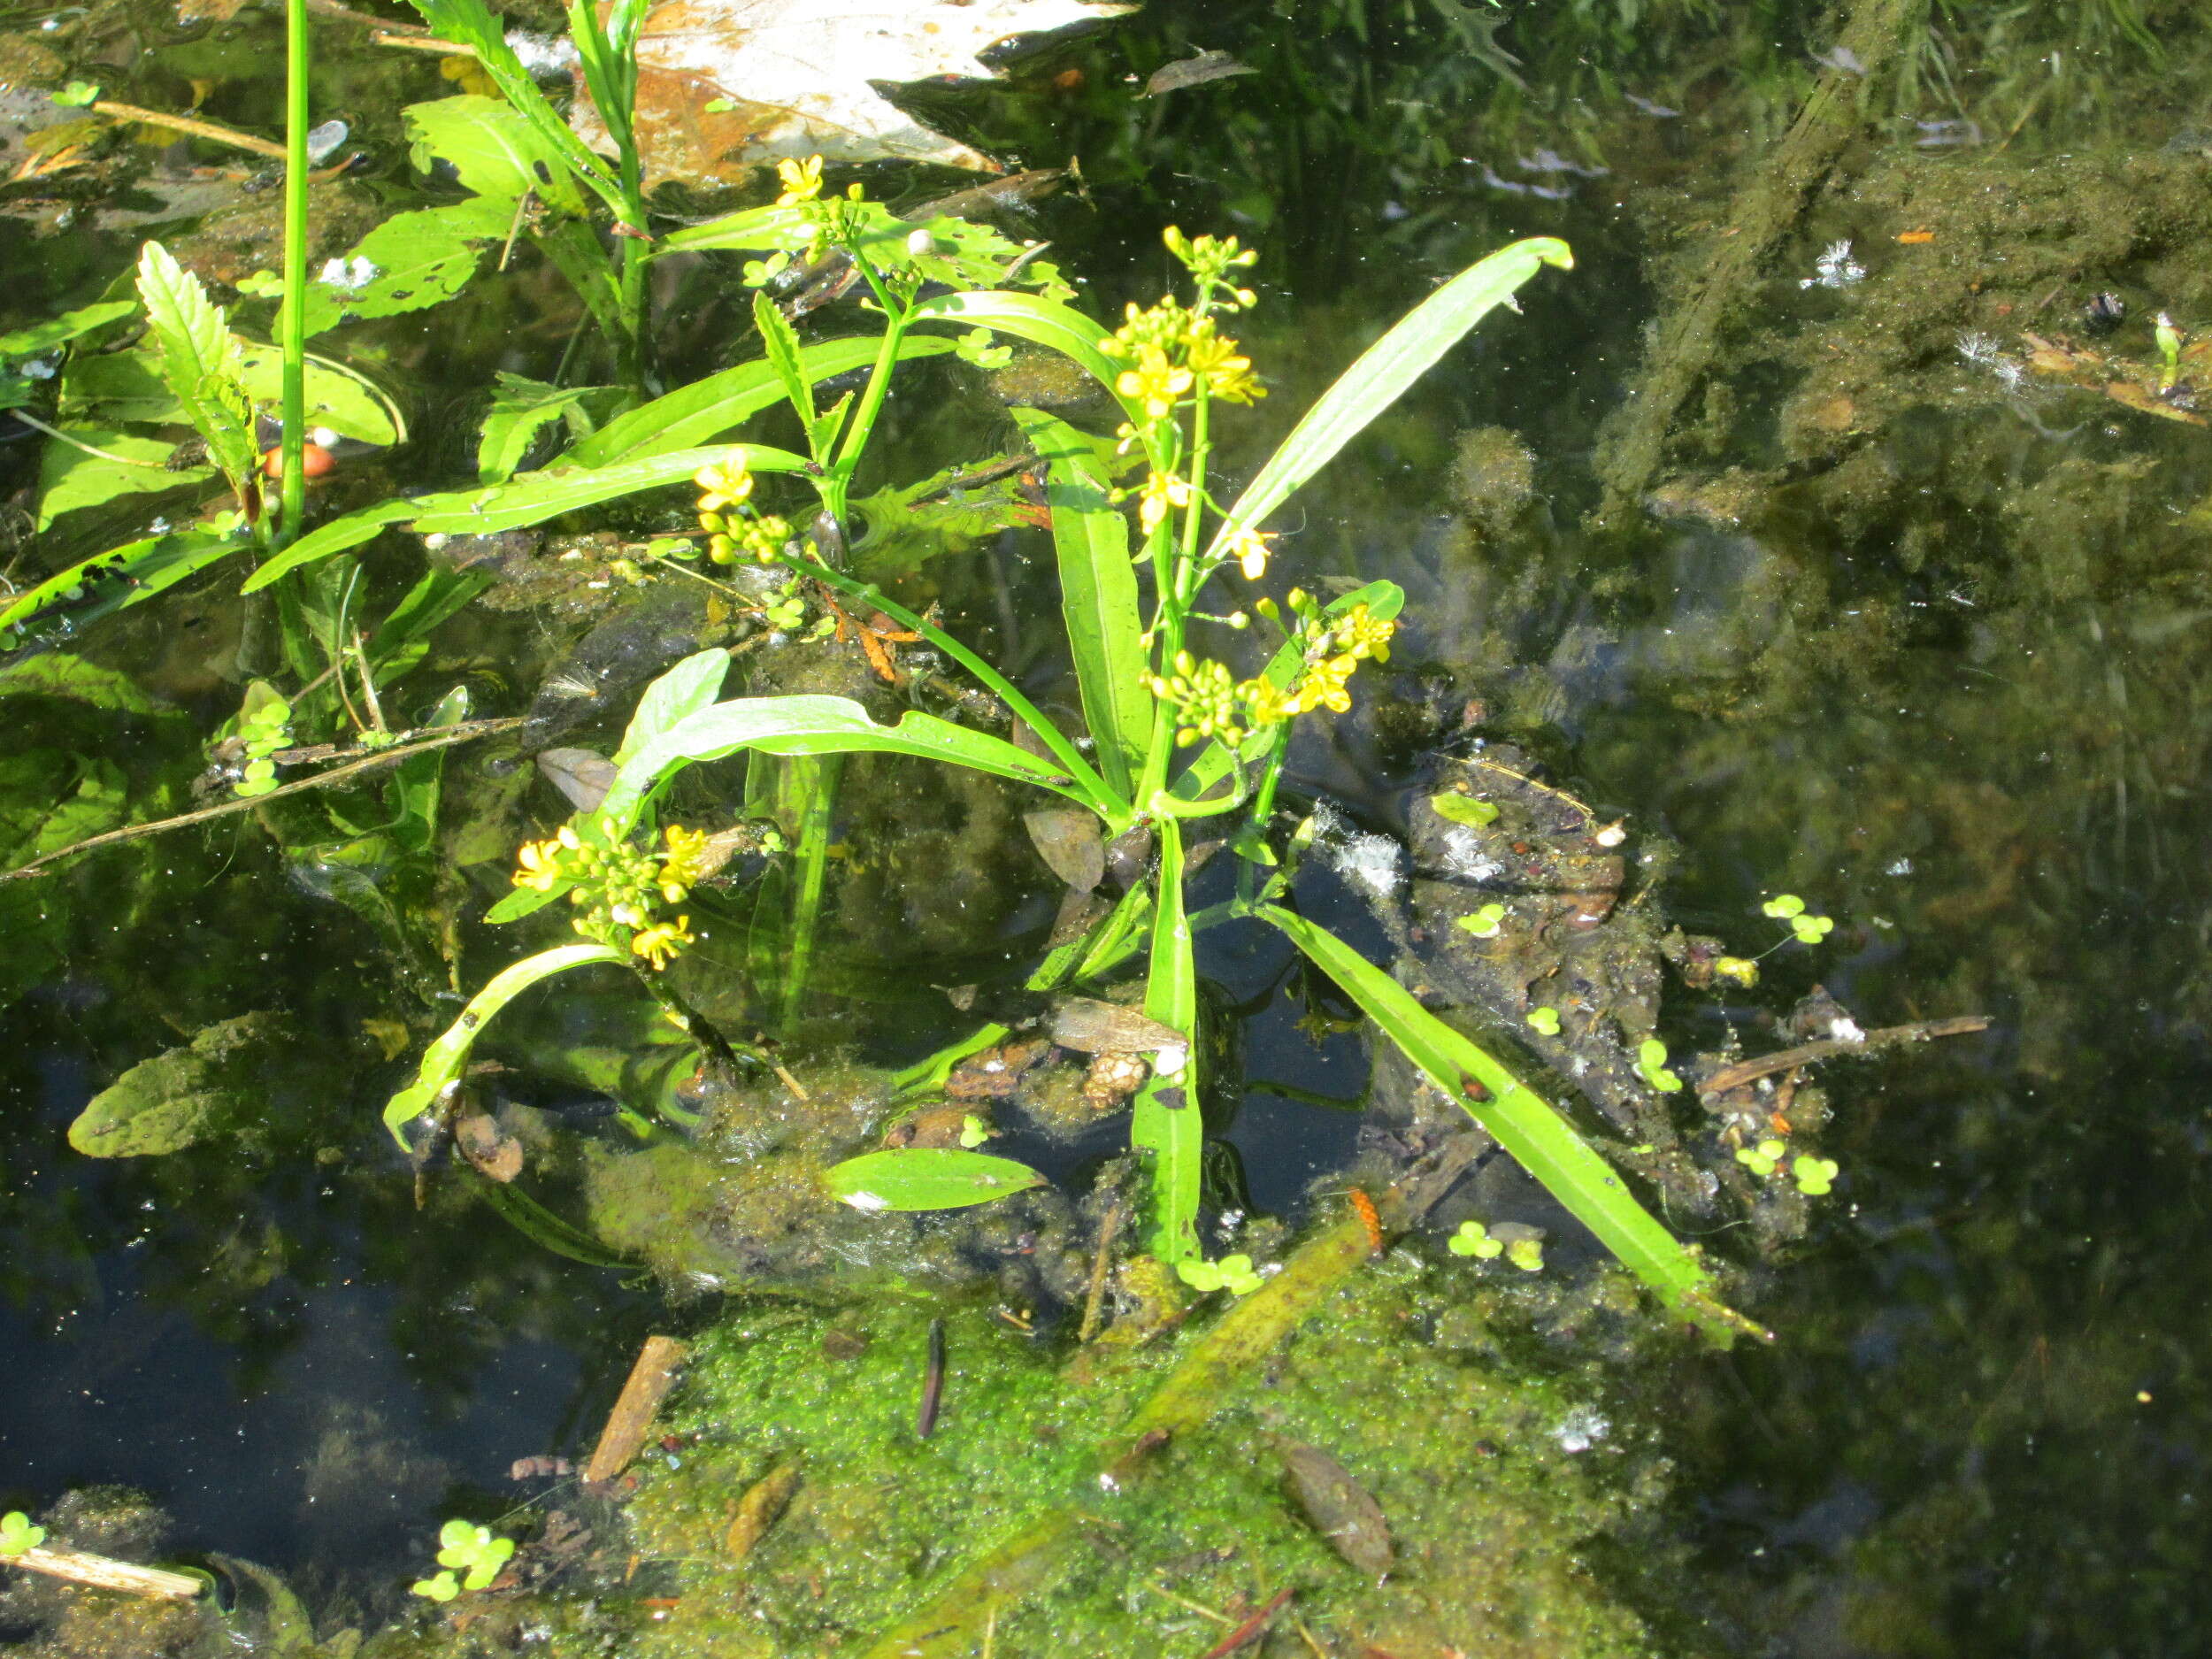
(926, 1178)
(1528, 1126)
(688, 688)
(703, 410)
(816, 725)
(1098, 597)
(1384, 369)
(530, 499)
(1167, 1123)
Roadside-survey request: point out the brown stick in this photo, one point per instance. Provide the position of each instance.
(1789, 1059)
(336, 774)
(1094, 1299)
(186, 124)
(422, 43)
(104, 1573)
(632, 1419)
(1245, 1635)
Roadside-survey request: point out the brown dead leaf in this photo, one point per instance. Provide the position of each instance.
(2141, 397)
(726, 85)
(495, 1154)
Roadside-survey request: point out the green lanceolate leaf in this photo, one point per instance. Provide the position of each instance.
(782, 347)
(493, 149)
(1385, 369)
(1529, 1127)
(54, 331)
(814, 725)
(756, 227)
(1098, 595)
(448, 1057)
(687, 689)
(926, 1178)
(409, 263)
(705, 410)
(199, 359)
(122, 576)
(1168, 1126)
(531, 499)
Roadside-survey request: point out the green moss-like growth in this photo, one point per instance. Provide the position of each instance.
(1493, 1482)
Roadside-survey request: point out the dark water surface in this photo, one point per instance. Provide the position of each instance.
(1887, 630)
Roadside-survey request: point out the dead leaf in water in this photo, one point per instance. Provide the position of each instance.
(1193, 72)
(1067, 839)
(726, 85)
(1340, 1508)
(495, 1154)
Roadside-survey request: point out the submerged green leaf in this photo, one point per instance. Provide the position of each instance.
(409, 262)
(494, 150)
(72, 478)
(521, 409)
(39, 337)
(926, 1178)
(684, 690)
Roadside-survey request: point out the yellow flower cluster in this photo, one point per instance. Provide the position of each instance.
(1162, 492)
(617, 887)
(732, 524)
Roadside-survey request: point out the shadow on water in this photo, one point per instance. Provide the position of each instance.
(1910, 622)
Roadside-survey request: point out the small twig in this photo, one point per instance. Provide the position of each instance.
(187, 124)
(1245, 1635)
(36, 425)
(632, 1419)
(1094, 1299)
(1199, 1608)
(422, 43)
(1743, 1072)
(368, 681)
(321, 780)
(514, 229)
(104, 1573)
(932, 1382)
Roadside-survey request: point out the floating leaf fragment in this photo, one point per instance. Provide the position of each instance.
(1193, 72)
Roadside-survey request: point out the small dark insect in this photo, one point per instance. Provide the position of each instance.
(1173, 1099)
(2104, 313)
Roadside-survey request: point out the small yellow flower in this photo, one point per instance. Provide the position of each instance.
(1228, 375)
(538, 865)
(1156, 381)
(686, 862)
(1362, 634)
(1326, 685)
(801, 180)
(1161, 491)
(1249, 549)
(722, 483)
(659, 943)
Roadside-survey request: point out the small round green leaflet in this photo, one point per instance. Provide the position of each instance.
(1811, 930)
(1782, 906)
(473, 1550)
(1233, 1274)
(442, 1588)
(1473, 1238)
(927, 1178)
(1762, 1159)
(1486, 922)
(1815, 1177)
(1545, 1020)
(1651, 1062)
(1462, 809)
(18, 1535)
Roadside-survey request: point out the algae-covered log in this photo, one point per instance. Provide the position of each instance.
(1633, 445)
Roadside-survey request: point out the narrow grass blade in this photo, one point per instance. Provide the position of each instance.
(1529, 1127)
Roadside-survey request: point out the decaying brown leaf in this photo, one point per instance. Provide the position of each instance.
(1193, 72)
(1067, 839)
(759, 1510)
(1090, 1026)
(726, 85)
(1340, 1508)
(495, 1154)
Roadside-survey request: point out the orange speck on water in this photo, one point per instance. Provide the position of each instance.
(1363, 1207)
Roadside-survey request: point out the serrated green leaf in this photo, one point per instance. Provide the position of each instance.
(495, 149)
(199, 359)
(521, 409)
(781, 346)
(927, 1178)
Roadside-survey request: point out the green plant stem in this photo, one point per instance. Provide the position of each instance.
(897, 318)
(292, 320)
(817, 776)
